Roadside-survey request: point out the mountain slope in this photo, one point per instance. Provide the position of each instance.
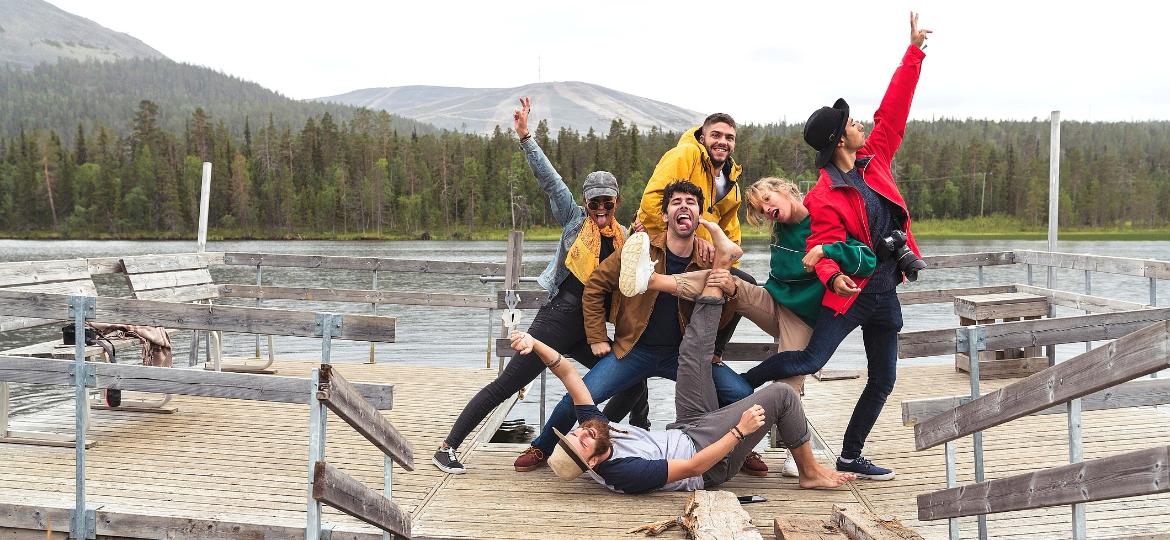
(33, 31)
(575, 105)
(60, 96)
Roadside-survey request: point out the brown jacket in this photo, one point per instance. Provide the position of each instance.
(630, 315)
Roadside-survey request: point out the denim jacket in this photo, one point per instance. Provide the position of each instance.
(564, 209)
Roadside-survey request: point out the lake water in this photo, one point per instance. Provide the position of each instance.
(458, 337)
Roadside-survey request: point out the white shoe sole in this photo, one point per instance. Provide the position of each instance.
(636, 265)
(448, 470)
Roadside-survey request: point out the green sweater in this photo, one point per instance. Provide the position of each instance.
(801, 291)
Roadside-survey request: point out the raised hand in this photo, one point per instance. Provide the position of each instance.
(522, 342)
(917, 37)
(520, 118)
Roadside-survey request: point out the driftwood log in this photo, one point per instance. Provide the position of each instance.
(709, 515)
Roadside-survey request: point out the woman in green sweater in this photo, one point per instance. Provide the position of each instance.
(786, 306)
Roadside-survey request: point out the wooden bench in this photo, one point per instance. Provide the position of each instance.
(1002, 307)
(185, 278)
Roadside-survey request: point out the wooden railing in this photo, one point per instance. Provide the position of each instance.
(331, 486)
(86, 376)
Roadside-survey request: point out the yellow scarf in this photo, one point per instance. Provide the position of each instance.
(582, 256)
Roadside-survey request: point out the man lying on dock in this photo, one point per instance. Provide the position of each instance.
(706, 445)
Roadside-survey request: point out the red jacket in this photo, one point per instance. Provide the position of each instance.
(837, 209)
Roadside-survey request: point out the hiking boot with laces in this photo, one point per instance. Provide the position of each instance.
(446, 461)
(864, 468)
(531, 459)
(754, 465)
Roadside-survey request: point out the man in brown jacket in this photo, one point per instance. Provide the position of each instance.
(648, 327)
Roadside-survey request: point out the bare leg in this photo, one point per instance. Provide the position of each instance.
(726, 250)
(664, 284)
(812, 474)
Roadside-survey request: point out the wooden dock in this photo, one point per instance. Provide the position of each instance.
(237, 469)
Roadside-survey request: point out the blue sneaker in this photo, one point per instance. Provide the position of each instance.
(864, 468)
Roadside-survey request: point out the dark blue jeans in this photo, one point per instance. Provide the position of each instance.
(880, 318)
(611, 375)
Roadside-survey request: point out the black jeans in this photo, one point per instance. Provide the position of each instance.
(561, 326)
(880, 318)
(724, 335)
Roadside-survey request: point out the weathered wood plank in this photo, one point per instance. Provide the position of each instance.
(364, 296)
(1140, 353)
(28, 272)
(163, 280)
(83, 287)
(1143, 472)
(170, 262)
(860, 524)
(275, 322)
(926, 343)
(1001, 306)
(192, 382)
(342, 492)
(122, 524)
(946, 296)
(966, 260)
(1110, 265)
(343, 399)
(363, 263)
(185, 294)
(806, 529)
(1002, 368)
(717, 515)
(1075, 329)
(1136, 393)
(1085, 302)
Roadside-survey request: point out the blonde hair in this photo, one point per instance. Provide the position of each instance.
(755, 194)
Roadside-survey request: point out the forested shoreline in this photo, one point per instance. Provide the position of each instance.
(363, 178)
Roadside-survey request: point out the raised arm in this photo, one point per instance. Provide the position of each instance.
(558, 364)
(889, 121)
(560, 198)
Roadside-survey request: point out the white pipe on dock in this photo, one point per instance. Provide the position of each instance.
(204, 200)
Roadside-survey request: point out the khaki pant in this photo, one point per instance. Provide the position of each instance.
(757, 304)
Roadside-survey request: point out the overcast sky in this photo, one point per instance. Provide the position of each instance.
(759, 61)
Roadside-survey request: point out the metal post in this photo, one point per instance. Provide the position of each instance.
(375, 308)
(1153, 292)
(204, 200)
(952, 481)
(80, 309)
(387, 487)
(193, 355)
(1076, 455)
(1053, 191)
(316, 453)
(974, 345)
(543, 372)
(259, 273)
(980, 270)
(1029, 273)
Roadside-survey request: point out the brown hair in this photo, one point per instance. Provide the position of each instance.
(754, 194)
(603, 442)
(684, 186)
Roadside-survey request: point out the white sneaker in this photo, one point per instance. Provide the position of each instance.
(789, 468)
(636, 265)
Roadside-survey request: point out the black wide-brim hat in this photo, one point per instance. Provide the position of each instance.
(824, 130)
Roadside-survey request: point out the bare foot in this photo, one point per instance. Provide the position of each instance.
(818, 476)
(726, 251)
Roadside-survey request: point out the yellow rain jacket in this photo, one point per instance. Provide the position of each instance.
(689, 161)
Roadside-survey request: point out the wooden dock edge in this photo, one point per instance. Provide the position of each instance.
(39, 521)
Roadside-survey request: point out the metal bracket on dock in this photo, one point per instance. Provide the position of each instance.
(326, 531)
(88, 306)
(962, 339)
(90, 374)
(88, 529)
(321, 320)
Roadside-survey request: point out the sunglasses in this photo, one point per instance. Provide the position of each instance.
(594, 204)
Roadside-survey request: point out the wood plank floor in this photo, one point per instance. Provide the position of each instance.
(245, 462)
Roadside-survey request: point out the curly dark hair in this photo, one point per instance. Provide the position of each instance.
(683, 186)
(719, 117)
